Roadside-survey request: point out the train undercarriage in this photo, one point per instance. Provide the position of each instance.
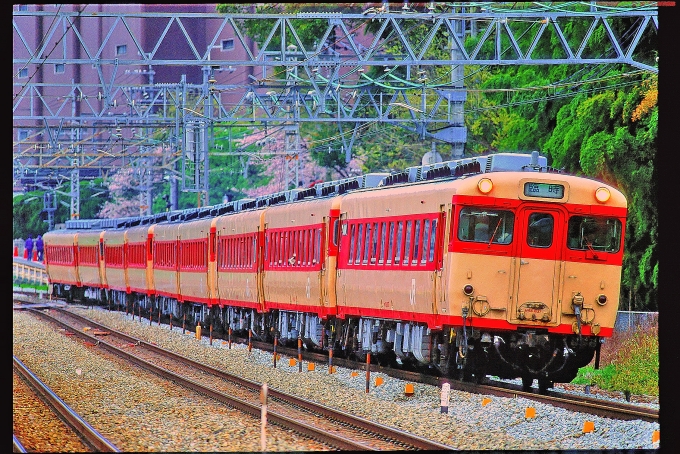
(468, 354)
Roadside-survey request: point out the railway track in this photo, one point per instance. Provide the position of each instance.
(585, 404)
(61, 424)
(326, 425)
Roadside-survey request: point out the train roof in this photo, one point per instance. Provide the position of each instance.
(497, 162)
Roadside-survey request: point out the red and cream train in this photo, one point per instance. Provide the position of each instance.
(492, 265)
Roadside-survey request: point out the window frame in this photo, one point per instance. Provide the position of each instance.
(382, 245)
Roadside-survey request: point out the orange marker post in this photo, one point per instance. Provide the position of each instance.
(299, 354)
(210, 333)
(330, 360)
(250, 340)
(229, 338)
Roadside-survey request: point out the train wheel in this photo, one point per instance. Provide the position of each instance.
(526, 383)
(544, 384)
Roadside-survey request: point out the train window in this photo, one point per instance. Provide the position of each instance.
(269, 252)
(408, 242)
(317, 246)
(390, 244)
(296, 248)
(594, 234)
(351, 243)
(416, 243)
(426, 243)
(360, 244)
(486, 226)
(400, 231)
(540, 231)
(304, 246)
(433, 233)
(336, 232)
(367, 242)
(312, 246)
(381, 257)
(374, 243)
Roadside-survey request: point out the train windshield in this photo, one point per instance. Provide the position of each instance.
(486, 226)
(594, 234)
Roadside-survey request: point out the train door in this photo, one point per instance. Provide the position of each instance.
(438, 242)
(539, 256)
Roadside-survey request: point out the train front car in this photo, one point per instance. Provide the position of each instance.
(534, 273)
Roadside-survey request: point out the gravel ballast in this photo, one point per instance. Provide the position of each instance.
(177, 424)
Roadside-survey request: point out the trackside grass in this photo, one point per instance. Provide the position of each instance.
(629, 362)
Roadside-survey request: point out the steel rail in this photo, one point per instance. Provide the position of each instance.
(321, 435)
(90, 435)
(356, 421)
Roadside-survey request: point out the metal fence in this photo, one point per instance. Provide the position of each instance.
(628, 320)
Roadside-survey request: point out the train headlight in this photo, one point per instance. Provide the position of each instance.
(485, 185)
(602, 194)
(468, 290)
(602, 300)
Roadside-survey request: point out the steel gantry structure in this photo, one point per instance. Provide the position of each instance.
(390, 64)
